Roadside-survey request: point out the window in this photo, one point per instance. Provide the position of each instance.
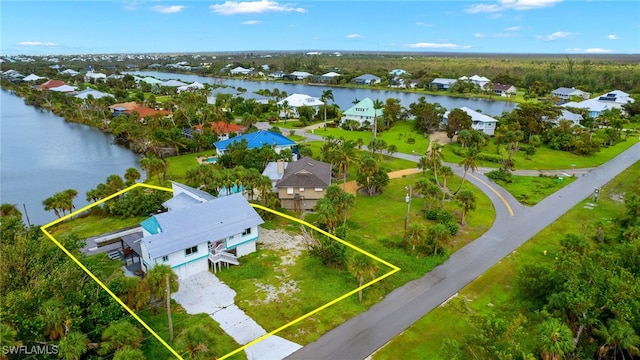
(289, 190)
(191, 250)
(165, 258)
(318, 189)
(301, 189)
(246, 231)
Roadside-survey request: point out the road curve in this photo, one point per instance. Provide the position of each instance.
(362, 335)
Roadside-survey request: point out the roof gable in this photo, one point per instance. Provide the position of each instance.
(306, 172)
(364, 107)
(257, 139)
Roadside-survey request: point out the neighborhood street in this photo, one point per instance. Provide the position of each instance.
(362, 335)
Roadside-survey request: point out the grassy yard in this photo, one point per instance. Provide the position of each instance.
(493, 291)
(530, 190)
(92, 225)
(397, 135)
(547, 159)
(375, 228)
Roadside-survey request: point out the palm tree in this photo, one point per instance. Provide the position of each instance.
(119, 335)
(73, 345)
(467, 201)
(326, 96)
(56, 318)
(197, 341)
(416, 235)
(469, 161)
(131, 175)
(377, 105)
(156, 281)
(434, 158)
(327, 214)
(360, 266)
(392, 149)
(555, 339)
(345, 155)
(440, 235)
(286, 109)
(127, 353)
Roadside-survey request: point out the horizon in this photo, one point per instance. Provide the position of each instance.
(458, 28)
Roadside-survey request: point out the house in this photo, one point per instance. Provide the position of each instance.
(564, 93)
(191, 87)
(32, 77)
(70, 72)
(480, 122)
(328, 77)
(362, 112)
(64, 88)
(479, 81)
(566, 115)
(366, 79)
(223, 129)
(239, 70)
(274, 171)
(199, 231)
(129, 107)
(122, 107)
(593, 106)
(51, 84)
(277, 74)
(297, 100)
(172, 83)
(617, 98)
(94, 76)
(303, 183)
(443, 84)
(150, 80)
(84, 94)
(504, 89)
(257, 140)
(300, 75)
(398, 72)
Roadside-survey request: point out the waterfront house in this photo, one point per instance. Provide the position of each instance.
(504, 89)
(303, 183)
(480, 122)
(300, 75)
(443, 84)
(239, 70)
(199, 231)
(363, 113)
(258, 139)
(564, 93)
(51, 84)
(223, 129)
(366, 79)
(297, 100)
(33, 77)
(84, 94)
(94, 76)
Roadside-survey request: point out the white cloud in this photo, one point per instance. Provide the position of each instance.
(253, 7)
(424, 45)
(423, 24)
(354, 36)
(589, 50)
(503, 5)
(36, 43)
(251, 22)
(479, 35)
(496, 35)
(612, 37)
(557, 36)
(168, 9)
(513, 28)
(131, 5)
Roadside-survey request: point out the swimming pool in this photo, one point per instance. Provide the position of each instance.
(210, 160)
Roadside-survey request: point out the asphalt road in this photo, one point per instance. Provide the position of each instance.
(362, 335)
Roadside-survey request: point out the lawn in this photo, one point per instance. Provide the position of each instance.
(530, 190)
(398, 135)
(92, 225)
(548, 159)
(376, 225)
(493, 291)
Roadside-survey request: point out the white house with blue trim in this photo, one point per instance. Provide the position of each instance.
(199, 231)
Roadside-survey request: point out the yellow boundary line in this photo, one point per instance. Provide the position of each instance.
(504, 201)
(394, 268)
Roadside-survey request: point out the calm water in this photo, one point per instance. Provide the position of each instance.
(41, 154)
(344, 97)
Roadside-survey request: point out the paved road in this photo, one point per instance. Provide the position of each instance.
(362, 335)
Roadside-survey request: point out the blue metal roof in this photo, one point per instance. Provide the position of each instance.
(256, 140)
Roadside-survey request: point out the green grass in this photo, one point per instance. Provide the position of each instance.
(92, 225)
(397, 135)
(530, 190)
(496, 285)
(157, 320)
(374, 228)
(548, 159)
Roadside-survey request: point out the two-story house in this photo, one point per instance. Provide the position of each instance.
(303, 183)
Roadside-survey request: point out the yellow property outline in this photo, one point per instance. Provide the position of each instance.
(44, 228)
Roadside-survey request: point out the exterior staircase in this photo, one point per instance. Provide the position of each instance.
(219, 257)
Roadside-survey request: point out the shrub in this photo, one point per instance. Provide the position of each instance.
(500, 175)
(411, 140)
(452, 226)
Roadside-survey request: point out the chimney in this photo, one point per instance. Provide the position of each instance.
(280, 166)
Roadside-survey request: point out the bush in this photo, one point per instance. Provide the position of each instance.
(439, 215)
(453, 227)
(411, 141)
(500, 175)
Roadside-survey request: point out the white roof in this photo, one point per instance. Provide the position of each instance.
(301, 74)
(331, 74)
(70, 72)
(63, 88)
(297, 100)
(591, 105)
(193, 86)
(33, 77)
(95, 75)
(475, 116)
(95, 93)
(175, 83)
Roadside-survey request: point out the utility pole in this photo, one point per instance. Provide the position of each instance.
(169, 309)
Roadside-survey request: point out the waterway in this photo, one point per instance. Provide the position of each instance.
(41, 154)
(343, 97)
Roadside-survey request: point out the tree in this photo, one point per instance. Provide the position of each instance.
(371, 176)
(439, 234)
(341, 200)
(416, 235)
(554, 339)
(377, 105)
(61, 202)
(73, 345)
(119, 335)
(326, 96)
(360, 266)
(468, 162)
(153, 166)
(127, 353)
(427, 115)
(467, 201)
(197, 341)
(327, 214)
(392, 149)
(393, 111)
(131, 175)
(344, 155)
(156, 281)
(457, 120)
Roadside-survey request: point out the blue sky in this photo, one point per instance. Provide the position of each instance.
(496, 26)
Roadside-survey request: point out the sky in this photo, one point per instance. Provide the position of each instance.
(459, 26)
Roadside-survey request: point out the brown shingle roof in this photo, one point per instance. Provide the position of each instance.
(306, 172)
(222, 127)
(51, 84)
